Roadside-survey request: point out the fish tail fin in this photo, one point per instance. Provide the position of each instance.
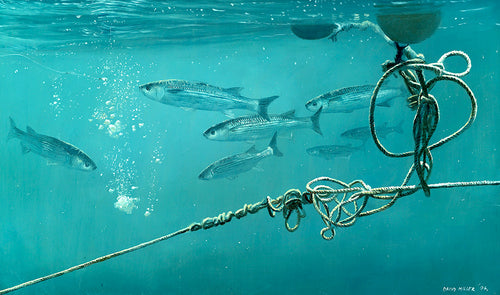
(13, 129)
(274, 147)
(315, 121)
(263, 104)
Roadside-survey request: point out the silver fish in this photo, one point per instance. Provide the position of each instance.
(328, 152)
(363, 133)
(202, 96)
(249, 128)
(55, 150)
(346, 100)
(231, 166)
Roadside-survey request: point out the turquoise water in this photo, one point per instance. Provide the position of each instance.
(68, 66)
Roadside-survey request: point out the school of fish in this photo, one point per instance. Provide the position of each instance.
(249, 128)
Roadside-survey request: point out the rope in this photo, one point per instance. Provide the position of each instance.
(52, 69)
(438, 69)
(290, 202)
(427, 110)
(365, 25)
(94, 261)
(351, 199)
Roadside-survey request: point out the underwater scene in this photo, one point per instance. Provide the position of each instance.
(272, 147)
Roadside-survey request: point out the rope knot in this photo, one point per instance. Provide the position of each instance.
(290, 202)
(293, 203)
(424, 125)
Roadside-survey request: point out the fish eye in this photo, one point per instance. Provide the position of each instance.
(86, 164)
(148, 87)
(314, 104)
(212, 132)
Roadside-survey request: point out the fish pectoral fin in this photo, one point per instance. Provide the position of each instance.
(188, 109)
(174, 91)
(24, 148)
(252, 150)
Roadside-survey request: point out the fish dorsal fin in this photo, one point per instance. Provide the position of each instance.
(252, 150)
(289, 114)
(30, 130)
(234, 90)
(174, 91)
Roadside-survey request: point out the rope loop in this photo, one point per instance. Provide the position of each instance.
(290, 202)
(440, 63)
(336, 209)
(346, 206)
(428, 113)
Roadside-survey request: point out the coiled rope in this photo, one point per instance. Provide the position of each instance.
(340, 207)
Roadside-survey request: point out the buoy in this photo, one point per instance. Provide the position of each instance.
(408, 24)
(313, 31)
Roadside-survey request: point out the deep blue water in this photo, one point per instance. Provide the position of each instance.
(68, 66)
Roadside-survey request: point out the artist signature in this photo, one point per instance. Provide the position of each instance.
(463, 289)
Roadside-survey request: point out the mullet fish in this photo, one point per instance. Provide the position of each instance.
(329, 152)
(364, 133)
(233, 165)
(53, 149)
(202, 96)
(248, 128)
(348, 99)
